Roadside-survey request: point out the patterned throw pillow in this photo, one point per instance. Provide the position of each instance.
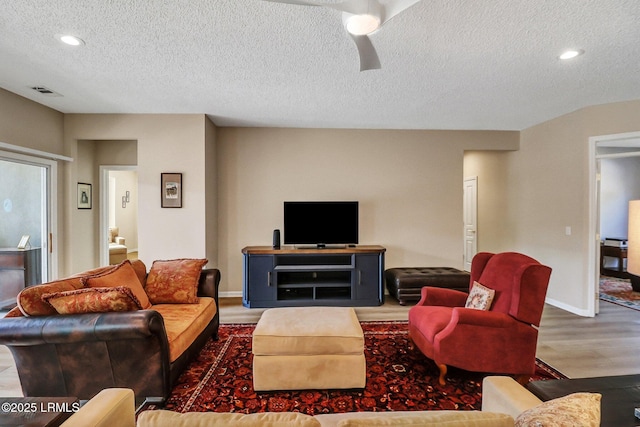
(30, 299)
(122, 275)
(577, 409)
(480, 297)
(174, 281)
(93, 300)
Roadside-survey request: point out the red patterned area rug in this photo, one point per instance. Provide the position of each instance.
(619, 291)
(220, 380)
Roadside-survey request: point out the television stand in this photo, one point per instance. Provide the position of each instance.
(320, 246)
(293, 277)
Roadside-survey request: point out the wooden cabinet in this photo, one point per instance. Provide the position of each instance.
(19, 268)
(620, 254)
(300, 277)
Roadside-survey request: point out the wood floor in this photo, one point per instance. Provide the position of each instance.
(606, 345)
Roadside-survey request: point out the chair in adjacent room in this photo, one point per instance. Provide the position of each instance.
(117, 247)
(497, 336)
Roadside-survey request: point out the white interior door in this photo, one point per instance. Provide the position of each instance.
(470, 217)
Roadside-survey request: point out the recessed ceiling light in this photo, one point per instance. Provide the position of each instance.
(571, 53)
(71, 40)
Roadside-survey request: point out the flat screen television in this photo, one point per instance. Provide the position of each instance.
(320, 223)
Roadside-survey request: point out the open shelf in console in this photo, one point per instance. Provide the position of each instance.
(314, 278)
(320, 283)
(315, 260)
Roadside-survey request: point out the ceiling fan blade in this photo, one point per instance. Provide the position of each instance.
(299, 2)
(355, 7)
(395, 7)
(351, 6)
(368, 56)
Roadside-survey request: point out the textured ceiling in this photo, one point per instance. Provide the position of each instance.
(446, 64)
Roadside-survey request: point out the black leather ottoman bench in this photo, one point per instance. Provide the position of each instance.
(620, 394)
(405, 283)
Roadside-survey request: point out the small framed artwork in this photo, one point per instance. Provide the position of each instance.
(84, 195)
(24, 241)
(171, 187)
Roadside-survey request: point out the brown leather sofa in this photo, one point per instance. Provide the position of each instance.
(80, 354)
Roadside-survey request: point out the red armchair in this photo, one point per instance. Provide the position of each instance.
(501, 340)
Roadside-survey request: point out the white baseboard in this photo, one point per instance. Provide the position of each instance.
(567, 307)
(230, 294)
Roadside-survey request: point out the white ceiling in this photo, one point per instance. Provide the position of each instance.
(446, 64)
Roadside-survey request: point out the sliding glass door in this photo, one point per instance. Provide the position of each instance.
(26, 211)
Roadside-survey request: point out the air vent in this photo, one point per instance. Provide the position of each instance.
(45, 91)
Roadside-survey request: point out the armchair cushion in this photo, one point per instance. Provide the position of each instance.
(122, 275)
(174, 281)
(113, 233)
(93, 300)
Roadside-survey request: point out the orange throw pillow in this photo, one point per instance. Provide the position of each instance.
(30, 299)
(93, 300)
(122, 275)
(174, 281)
(141, 270)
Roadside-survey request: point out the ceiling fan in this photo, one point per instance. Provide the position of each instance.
(361, 18)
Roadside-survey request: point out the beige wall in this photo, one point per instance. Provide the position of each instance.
(548, 190)
(29, 124)
(408, 183)
(84, 250)
(165, 143)
(490, 168)
(211, 188)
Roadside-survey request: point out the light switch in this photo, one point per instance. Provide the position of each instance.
(567, 230)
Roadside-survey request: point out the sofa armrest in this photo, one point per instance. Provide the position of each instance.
(119, 240)
(208, 284)
(73, 328)
(81, 354)
(505, 395)
(442, 297)
(111, 407)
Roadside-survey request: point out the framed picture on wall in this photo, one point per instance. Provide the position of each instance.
(171, 190)
(84, 195)
(24, 241)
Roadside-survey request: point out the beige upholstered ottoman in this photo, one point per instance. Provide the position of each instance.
(302, 348)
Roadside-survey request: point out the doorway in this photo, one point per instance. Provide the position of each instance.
(28, 217)
(609, 151)
(470, 218)
(118, 214)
